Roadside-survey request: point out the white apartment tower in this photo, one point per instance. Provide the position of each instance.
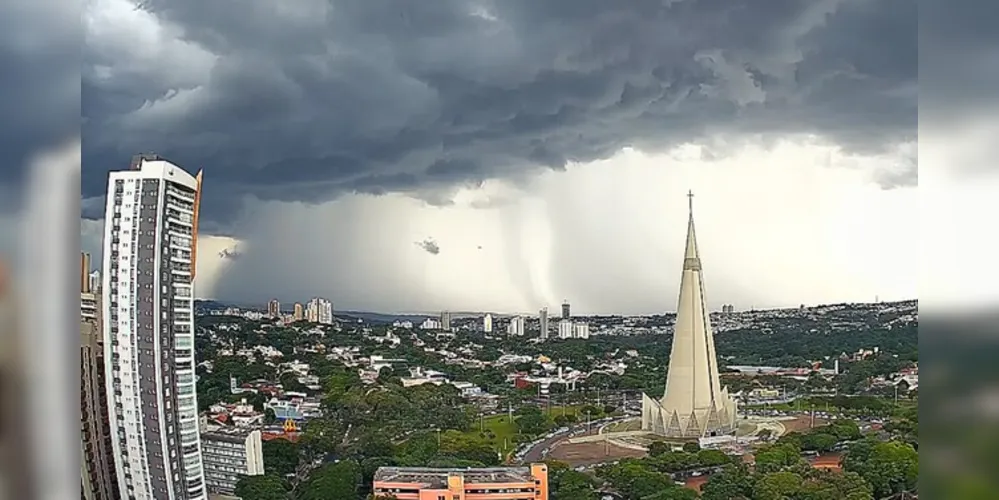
(487, 323)
(446, 321)
(543, 323)
(580, 330)
(565, 329)
(516, 327)
(320, 311)
(150, 245)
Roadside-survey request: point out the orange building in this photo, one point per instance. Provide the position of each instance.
(498, 483)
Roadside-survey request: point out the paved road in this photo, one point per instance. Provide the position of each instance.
(536, 453)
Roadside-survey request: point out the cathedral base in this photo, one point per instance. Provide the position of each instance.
(698, 423)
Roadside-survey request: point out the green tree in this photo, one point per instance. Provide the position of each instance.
(574, 486)
(732, 483)
(339, 481)
(827, 485)
(691, 447)
(777, 486)
(658, 448)
(265, 487)
(280, 456)
(890, 467)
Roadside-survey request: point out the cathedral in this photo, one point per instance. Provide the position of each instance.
(694, 404)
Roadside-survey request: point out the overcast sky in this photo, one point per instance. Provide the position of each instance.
(507, 155)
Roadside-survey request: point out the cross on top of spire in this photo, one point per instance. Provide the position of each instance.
(690, 201)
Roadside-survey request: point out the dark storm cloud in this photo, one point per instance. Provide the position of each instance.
(39, 82)
(310, 99)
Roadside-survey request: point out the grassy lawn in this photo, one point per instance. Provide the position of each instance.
(502, 434)
(499, 431)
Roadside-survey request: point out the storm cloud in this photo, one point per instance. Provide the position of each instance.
(307, 100)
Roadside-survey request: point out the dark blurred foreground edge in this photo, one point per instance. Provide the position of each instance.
(959, 389)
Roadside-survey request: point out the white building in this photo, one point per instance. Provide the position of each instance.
(150, 234)
(516, 327)
(319, 310)
(430, 324)
(565, 329)
(694, 403)
(580, 330)
(543, 323)
(446, 321)
(228, 453)
(487, 323)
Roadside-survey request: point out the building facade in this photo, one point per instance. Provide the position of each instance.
(487, 323)
(565, 329)
(498, 483)
(694, 404)
(446, 321)
(299, 312)
(150, 251)
(274, 308)
(228, 454)
(97, 460)
(543, 323)
(566, 313)
(319, 310)
(516, 327)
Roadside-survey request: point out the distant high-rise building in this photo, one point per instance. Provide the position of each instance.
(97, 461)
(728, 309)
(694, 403)
(299, 313)
(580, 330)
(516, 327)
(274, 308)
(446, 321)
(95, 280)
(565, 329)
(543, 323)
(565, 310)
(229, 453)
(487, 323)
(319, 310)
(147, 295)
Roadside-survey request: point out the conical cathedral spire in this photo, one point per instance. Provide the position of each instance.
(691, 261)
(694, 404)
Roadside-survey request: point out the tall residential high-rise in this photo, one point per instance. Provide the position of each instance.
(516, 327)
(150, 257)
(319, 310)
(97, 459)
(543, 323)
(694, 403)
(446, 321)
(565, 329)
(565, 310)
(580, 330)
(299, 313)
(274, 308)
(487, 323)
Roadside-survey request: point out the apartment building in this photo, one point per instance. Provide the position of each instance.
(229, 453)
(495, 483)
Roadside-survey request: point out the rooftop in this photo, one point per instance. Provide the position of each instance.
(437, 478)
